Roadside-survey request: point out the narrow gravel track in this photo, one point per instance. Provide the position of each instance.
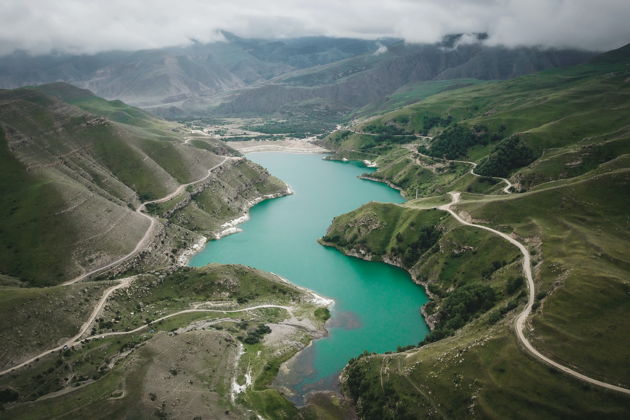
(152, 223)
(522, 317)
(124, 283)
(508, 184)
(185, 311)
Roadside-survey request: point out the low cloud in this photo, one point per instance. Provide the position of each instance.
(88, 26)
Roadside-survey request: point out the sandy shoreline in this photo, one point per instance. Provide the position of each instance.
(315, 298)
(286, 145)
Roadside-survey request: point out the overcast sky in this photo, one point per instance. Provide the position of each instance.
(86, 26)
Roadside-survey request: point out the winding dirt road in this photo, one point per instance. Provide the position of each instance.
(152, 223)
(508, 184)
(124, 283)
(522, 317)
(411, 148)
(186, 311)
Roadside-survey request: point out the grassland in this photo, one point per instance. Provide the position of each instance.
(570, 212)
(75, 166)
(35, 319)
(565, 121)
(187, 365)
(413, 93)
(26, 223)
(584, 269)
(479, 373)
(478, 369)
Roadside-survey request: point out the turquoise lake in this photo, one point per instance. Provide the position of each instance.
(377, 306)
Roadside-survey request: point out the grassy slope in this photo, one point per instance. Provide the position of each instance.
(206, 210)
(151, 297)
(481, 371)
(74, 176)
(97, 156)
(413, 93)
(26, 224)
(34, 319)
(190, 371)
(584, 270)
(113, 110)
(576, 119)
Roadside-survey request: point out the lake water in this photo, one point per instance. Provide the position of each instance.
(376, 305)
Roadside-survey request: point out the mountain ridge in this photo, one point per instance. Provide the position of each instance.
(330, 76)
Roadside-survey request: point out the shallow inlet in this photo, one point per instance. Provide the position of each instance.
(376, 305)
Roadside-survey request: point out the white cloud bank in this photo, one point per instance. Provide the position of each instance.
(87, 26)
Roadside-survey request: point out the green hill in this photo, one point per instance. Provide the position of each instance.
(75, 167)
(563, 139)
(555, 124)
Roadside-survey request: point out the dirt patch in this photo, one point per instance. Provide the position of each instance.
(189, 375)
(286, 145)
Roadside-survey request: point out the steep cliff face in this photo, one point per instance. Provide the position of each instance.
(443, 257)
(74, 180)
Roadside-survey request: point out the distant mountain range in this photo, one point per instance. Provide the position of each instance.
(317, 76)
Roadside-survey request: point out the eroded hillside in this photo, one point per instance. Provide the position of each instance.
(77, 175)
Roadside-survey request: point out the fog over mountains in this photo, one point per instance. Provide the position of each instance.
(71, 26)
(240, 76)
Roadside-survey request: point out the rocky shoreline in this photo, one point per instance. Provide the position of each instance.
(384, 181)
(366, 256)
(231, 226)
(228, 228)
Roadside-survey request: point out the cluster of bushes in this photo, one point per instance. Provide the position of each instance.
(510, 154)
(256, 335)
(335, 239)
(8, 395)
(455, 141)
(377, 401)
(500, 313)
(339, 136)
(322, 314)
(295, 127)
(488, 272)
(461, 306)
(514, 284)
(385, 129)
(425, 237)
(401, 119)
(428, 122)
(401, 139)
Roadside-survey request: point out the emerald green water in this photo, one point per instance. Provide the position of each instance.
(376, 305)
